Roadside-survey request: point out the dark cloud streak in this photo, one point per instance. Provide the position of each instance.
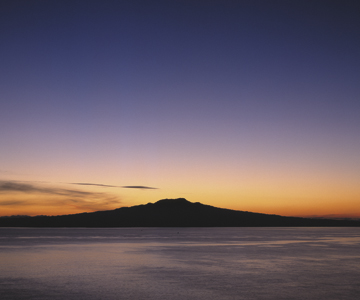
(56, 196)
(94, 184)
(117, 186)
(139, 187)
(13, 186)
(11, 202)
(20, 194)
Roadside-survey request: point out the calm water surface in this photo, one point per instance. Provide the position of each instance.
(180, 263)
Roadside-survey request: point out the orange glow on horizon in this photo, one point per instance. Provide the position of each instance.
(309, 208)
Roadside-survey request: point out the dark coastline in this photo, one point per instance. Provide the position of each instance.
(172, 213)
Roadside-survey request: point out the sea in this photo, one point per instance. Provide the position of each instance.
(179, 263)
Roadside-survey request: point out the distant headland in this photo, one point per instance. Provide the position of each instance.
(172, 213)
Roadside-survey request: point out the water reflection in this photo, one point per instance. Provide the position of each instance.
(180, 263)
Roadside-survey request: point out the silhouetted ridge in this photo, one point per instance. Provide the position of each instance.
(173, 202)
(170, 213)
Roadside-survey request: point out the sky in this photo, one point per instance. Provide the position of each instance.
(246, 105)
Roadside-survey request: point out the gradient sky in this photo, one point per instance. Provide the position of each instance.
(247, 105)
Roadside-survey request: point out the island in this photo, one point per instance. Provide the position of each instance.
(172, 213)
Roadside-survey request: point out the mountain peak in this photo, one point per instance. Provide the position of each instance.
(172, 202)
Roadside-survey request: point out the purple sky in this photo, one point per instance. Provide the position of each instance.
(249, 105)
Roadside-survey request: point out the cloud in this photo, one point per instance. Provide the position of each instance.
(139, 187)
(33, 197)
(96, 184)
(31, 194)
(11, 202)
(6, 171)
(13, 186)
(117, 186)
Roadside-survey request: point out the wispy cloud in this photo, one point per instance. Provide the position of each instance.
(30, 197)
(7, 172)
(14, 186)
(12, 202)
(116, 186)
(95, 184)
(25, 194)
(139, 187)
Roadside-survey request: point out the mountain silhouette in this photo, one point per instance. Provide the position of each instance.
(171, 213)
